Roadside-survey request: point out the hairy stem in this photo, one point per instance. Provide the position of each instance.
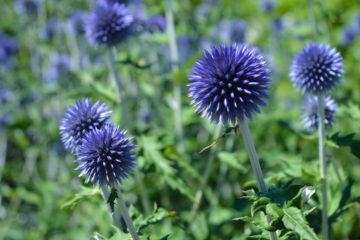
(255, 164)
(125, 214)
(321, 128)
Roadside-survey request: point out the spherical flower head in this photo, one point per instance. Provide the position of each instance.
(8, 46)
(309, 112)
(316, 69)
(106, 156)
(110, 24)
(59, 66)
(80, 119)
(76, 23)
(156, 23)
(50, 30)
(26, 6)
(229, 83)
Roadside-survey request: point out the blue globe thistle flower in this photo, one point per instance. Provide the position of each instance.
(316, 69)
(229, 31)
(109, 24)
(50, 30)
(267, 6)
(309, 112)
(60, 66)
(156, 23)
(8, 46)
(229, 83)
(26, 6)
(348, 36)
(80, 119)
(76, 23)
(106, 155)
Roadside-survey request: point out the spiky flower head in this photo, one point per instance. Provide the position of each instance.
(110, 24)
(229, 83)
(80, 119)
(316, 69)
(309, 112)
(106, 155)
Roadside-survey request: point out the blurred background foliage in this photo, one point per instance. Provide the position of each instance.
(40, 194)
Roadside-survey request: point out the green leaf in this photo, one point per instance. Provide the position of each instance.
(113, 195)
(274, 210)
(293, 219)
(85, 193)
(232, 161)
(165, 237)
(178, 184)
(259, 205)
(259, 224)
(157, 216)
(347, 140)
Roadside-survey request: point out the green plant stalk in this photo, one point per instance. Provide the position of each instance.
(3, 147)
(116, 78)
(255, 164)
(199, 193)
(321, 128)
(125, 214)
(174, 56)
(115, 216)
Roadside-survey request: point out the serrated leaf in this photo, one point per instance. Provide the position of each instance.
(251, 220)
(259, 205)
(347, 140)
(232, 161)
(157, 216)
(293, 219)
(85, 193)
(178, 184)
(274, 210)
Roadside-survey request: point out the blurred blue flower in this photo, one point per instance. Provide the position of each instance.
(60, 66)
(229, 83)
(267, 5)
(8, 46)
(26, 6)
(229, 31)
(156, 23)
(76, 23)
(185, 48)
(5, 97)
(309, 112)
(348, 35)
(50, 30)
(106, 156)
(110, 24)
(316, 69)
(80, 119)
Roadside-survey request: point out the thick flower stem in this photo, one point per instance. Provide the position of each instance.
(255, 164)
(115, 216)
(324, 216)
(115, 76)
(175, 67)
(125, 214)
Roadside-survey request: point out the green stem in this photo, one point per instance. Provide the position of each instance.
(114, 215)
(117, 82)
(115, 76)
(3, 147)
(255, 164)
(125, 214)
(311, 11)
(175, 67)
(321, 124)
(205, 176)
